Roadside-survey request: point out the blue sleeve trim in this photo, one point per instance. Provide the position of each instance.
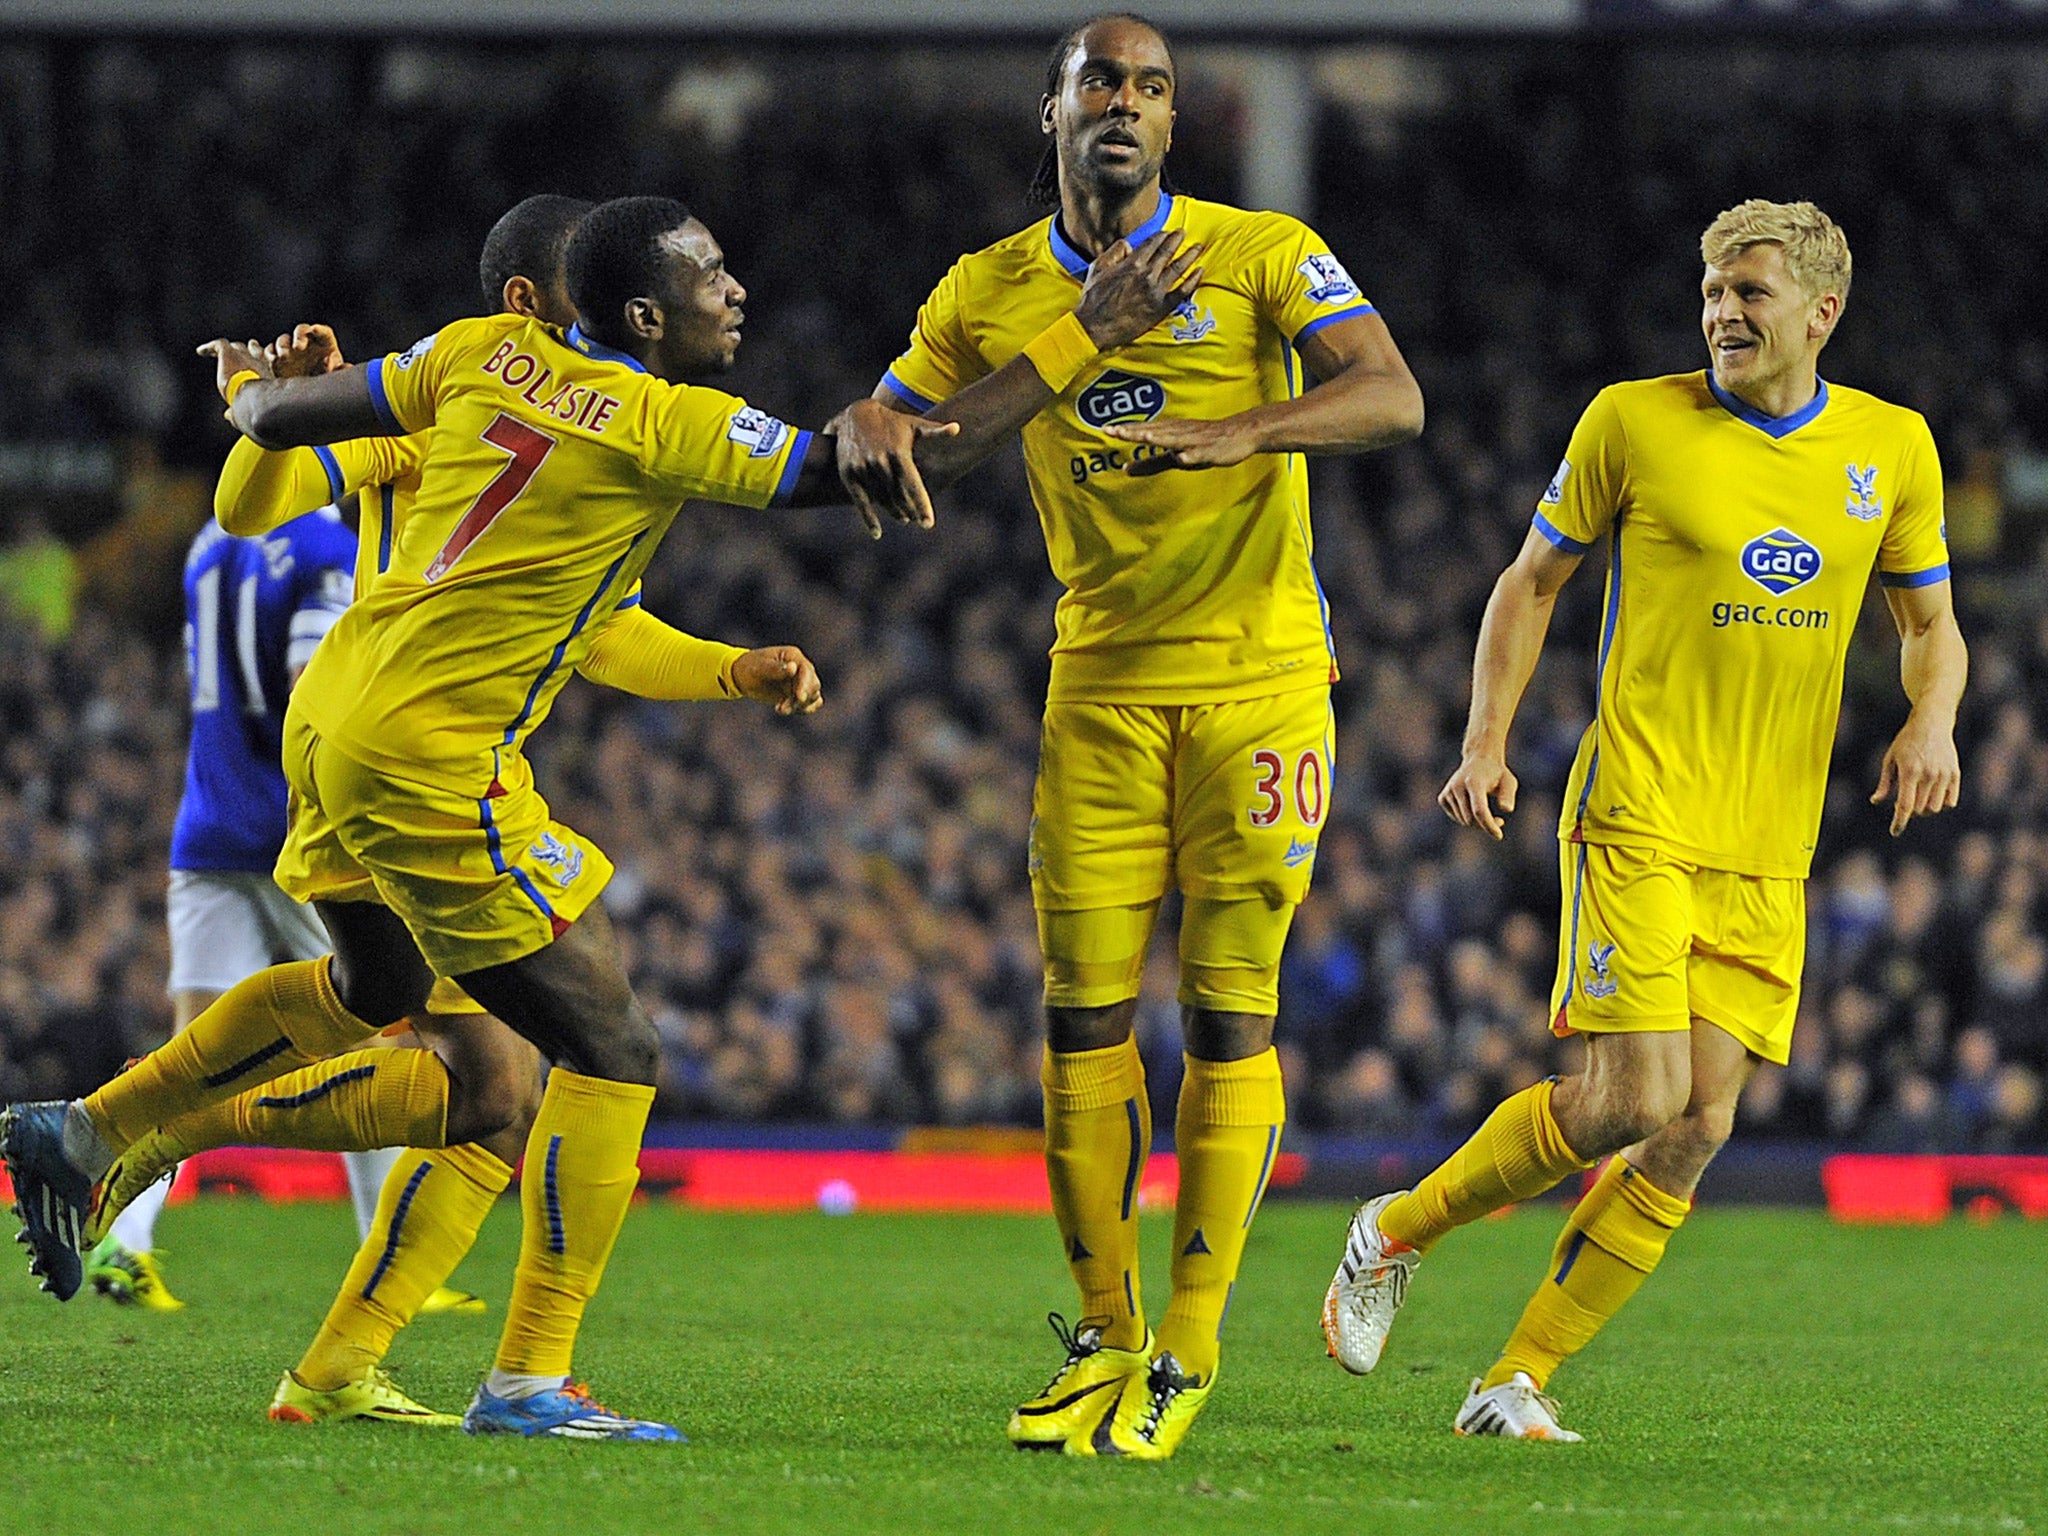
(335, 484)
(905, 393)
(1926, 578)
(630, 600)
(792, 467)
(379, 400)
(1563, 541)
(1322, 320)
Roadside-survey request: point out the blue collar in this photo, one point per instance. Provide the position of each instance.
(1076, 264)
(601, 352)
(1770, 426)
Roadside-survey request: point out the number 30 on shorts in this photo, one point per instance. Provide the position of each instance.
(1269, 797)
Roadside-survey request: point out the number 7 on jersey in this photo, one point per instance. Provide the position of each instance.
(529, 447)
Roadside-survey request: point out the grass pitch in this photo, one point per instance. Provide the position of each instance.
(853, 1375)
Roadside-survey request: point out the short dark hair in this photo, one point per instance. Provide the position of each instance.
(615, 257)
(1045, 181)
(530, 242)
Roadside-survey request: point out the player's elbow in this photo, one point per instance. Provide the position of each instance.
(1406, 416)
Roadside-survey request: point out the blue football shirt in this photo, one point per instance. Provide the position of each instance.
(254, 610)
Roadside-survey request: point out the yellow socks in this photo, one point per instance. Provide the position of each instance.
(381, 1097)
(1518, 1153)
(582, 1161)
(1098, 1133)
(285, 1017)
(1227, 1135)
(1610, 1243)
(429, 1212)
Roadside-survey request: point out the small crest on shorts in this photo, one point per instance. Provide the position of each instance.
(1599, 982)
(1298, 852)
(565, 861)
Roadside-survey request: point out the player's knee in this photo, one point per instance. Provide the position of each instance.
(1217, 1036)
(1708, 1126)
(1068, 1030)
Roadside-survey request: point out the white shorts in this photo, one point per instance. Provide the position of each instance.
(226, 925)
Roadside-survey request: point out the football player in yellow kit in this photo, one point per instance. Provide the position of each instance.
(433, 1202)
(559, 460)
(1187, 732)
(1743, 508)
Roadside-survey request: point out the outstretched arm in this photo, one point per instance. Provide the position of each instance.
(1510, 640)
(292, 413)
(1922, 773)
(1368, 399)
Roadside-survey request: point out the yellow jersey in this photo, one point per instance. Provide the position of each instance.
(1187, 587)
(1740, 547)
(552, 468)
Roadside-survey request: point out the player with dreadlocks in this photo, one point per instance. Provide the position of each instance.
(1187, 726)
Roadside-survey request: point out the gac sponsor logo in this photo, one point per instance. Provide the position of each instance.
(1084, 466)
(1779, 561)
(1120, 397)
(1770, 615)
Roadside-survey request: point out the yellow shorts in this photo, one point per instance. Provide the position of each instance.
(1225, 801)
(1649, 942)
(478, 879)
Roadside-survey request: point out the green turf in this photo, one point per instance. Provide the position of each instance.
(853, 1375)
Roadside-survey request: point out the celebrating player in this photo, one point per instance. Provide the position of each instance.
(1743, 508)
(1187, 727)
(559, 461)
(433, 1204)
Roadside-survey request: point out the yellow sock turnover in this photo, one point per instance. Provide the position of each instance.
(1610, 1243)
(1098, 1133)
(1227, 1136)
(428, 1215)
(285, 1017)
(582, 1162)
(1518, 1153)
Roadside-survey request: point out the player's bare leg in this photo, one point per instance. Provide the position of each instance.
(571, 1000)
(1611, 1243)
(1632, 1086)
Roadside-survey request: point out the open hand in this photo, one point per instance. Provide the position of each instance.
(233, 357)
(1189, 444)
(1468, 797)
(877, 464)
(305, 351)
(780, 676)
(1921, 774)
(1130, 291)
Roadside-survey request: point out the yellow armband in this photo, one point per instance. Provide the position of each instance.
(1061, 351)
(238, 383)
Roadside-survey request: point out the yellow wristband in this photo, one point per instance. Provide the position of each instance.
(236, 384)
(1061, 351)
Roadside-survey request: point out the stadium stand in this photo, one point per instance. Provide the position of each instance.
(829, 918)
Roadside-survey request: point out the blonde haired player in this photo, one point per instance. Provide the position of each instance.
(1187, 726)
(1743, 508)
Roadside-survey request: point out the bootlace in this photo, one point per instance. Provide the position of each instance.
(1391, 1278)
(1165, 1385)
(1077, 1348)
(579, 1394)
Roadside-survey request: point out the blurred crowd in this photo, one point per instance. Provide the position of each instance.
(829, 918)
